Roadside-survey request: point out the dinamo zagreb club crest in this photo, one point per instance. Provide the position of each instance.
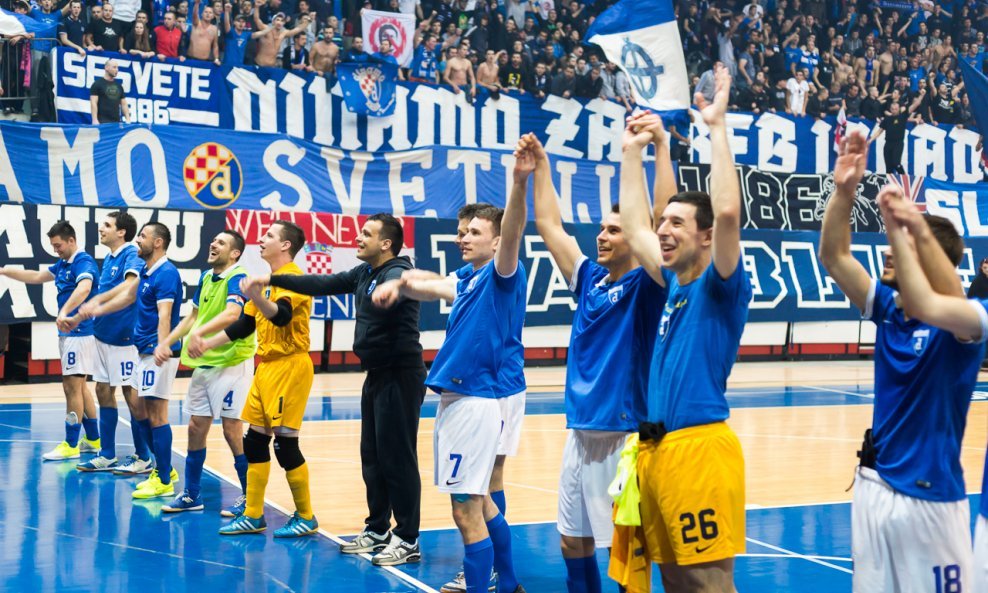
(213, 175)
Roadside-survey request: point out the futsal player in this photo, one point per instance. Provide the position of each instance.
(158, 297)
(610, 349)
(387, 343)
(910, 480)
(115, 356)
(221, 376)
(75, 276)
(690, 465)
(280, 390)
(952, 314)
(473, 370)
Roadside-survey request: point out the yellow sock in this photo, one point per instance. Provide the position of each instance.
(257, 482)
(298, 481)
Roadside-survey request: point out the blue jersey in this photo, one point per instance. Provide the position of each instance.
(698, 341)
(923, 383)
(483, 354)
(117, 329)
(68, 273)
(235, 48)
(610, 348)
(161, 283)
(424, 64)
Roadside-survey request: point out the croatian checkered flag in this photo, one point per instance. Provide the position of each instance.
(642, 38)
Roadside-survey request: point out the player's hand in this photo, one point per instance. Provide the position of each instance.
(650, 122)
(161, 354)
(850, 165)
(253, 285)
(88, 310)
(3, 271)
(713, 113)
(196, 345)
(898, 211)
(635, 139)
(524, 159)
(72, 322)
(387, 294)
(533, 145)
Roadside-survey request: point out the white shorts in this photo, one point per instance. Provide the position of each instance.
(220, 391)
(77, 354)
(465, 443)
(513, 415)
(981, 553)
(150, 380)
(590, 460)
(114, 364)
(902, 544)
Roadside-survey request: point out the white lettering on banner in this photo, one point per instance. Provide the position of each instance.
(929, 148)
(323, 114)
(770, 127)
(156, 163)
(247, 85)
(966, 158)
(165, 80)
(414, 187)
(8, 179)
(77, 216)
(734, 121)
(20, 300)
(294, 103)
(349, 199)
(604, 175)
(601, 134)
(397, 123)
(821, 284)
(470, 159)
(430, 99)
(557, 290)
(752, 253)
(76, 156)
(294, 155)
(49, 298)
(566, 170)
(823, 145)
(972, 214)
(506, 109)
(564, 128)
(349, 134)
(12, 224)
(947, 204)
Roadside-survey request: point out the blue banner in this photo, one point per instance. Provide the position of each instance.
(368, 87)
(304, 106)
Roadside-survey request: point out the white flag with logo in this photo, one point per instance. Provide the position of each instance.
(396, 27)
(642, 38)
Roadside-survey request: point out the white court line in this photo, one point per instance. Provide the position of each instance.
(827, 558)
(827, 389)
(15, 427)
(332, 537)
(812, 559)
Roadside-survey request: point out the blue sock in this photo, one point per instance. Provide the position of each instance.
(503, 563)
(478, 560)
(92, 428)
(500, 502)
(162, 443)
(592, 572)
(582, 575)
(72, 434)
(193, 471)
(146, 436)
(140, 441)
(108, 429)
(240, 464)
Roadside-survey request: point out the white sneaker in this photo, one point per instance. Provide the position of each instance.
(366, 542)
(459, 584)
(134, 466)
(62, 451)
(98, 464)
(398, 551)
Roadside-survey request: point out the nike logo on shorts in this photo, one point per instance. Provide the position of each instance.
(449, 483)
(700, 550)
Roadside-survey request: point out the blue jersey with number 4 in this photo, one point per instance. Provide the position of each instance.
(610, 348)
(117, 329)
(483, 355)
(161, 283)
(68, 273)
(698, 341)
(924, 379)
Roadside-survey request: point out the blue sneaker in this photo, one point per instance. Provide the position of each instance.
(244, 524)
(237, 509)
(184, 502)
(297, 527)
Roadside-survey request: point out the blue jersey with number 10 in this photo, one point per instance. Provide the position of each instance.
(68, 273)
(160, 283)
(117, 329)
(610, 348)
(483, 355)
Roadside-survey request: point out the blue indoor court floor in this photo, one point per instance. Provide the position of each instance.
(64, 531)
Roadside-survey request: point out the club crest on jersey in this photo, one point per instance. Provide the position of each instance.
(921, 337)
(372, 286)
(213, 175)
(472, 284)
(614, 294)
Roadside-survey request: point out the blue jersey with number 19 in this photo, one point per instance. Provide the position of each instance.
(483, 355)
(161, 283)
(68, 273)
(610, 348)
(924, 379)
(698, 341)
(117, 329)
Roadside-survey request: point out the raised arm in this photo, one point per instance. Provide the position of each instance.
(835, 233)
(227, 8)
(549, 222)
(664, 186)
(515, 213)
(195, 14)
(725, 191)
(27, 276)
(417, 286)
(315, 284)
(633, 198)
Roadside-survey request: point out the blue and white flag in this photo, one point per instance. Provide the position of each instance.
(368, 87)
(642, 38)
(12, 24)
(976, 85)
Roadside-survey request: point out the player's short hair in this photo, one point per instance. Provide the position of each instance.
(390, 229)
(701, 201)
(160, 231)
(616, 208)
(239, 243)
(124, 222)
(493, 214)
(947, 236)
(470, 210)
(292, 233)
(61, 229)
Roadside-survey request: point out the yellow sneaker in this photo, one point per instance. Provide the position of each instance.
(89, 446)
(153, 488)
(154, 475)
(62, 451)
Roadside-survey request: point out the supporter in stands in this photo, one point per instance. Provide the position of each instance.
(487, 73)
(514, 75)
(324, 54)
(540, 82)
(590, 85)
(169, 42)
(425, 66)
(138, 42)
(271, 36)
(237, 37)
(459, 74)
(124, 15)
(356, 52)
(204, 39)
(106, 97)
(71, 30)
(797, 90)
(295, 56)
(105, 33)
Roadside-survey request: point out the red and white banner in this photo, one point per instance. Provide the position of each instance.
(398, 28)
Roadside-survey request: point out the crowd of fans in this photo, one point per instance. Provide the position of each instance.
(802, 57)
